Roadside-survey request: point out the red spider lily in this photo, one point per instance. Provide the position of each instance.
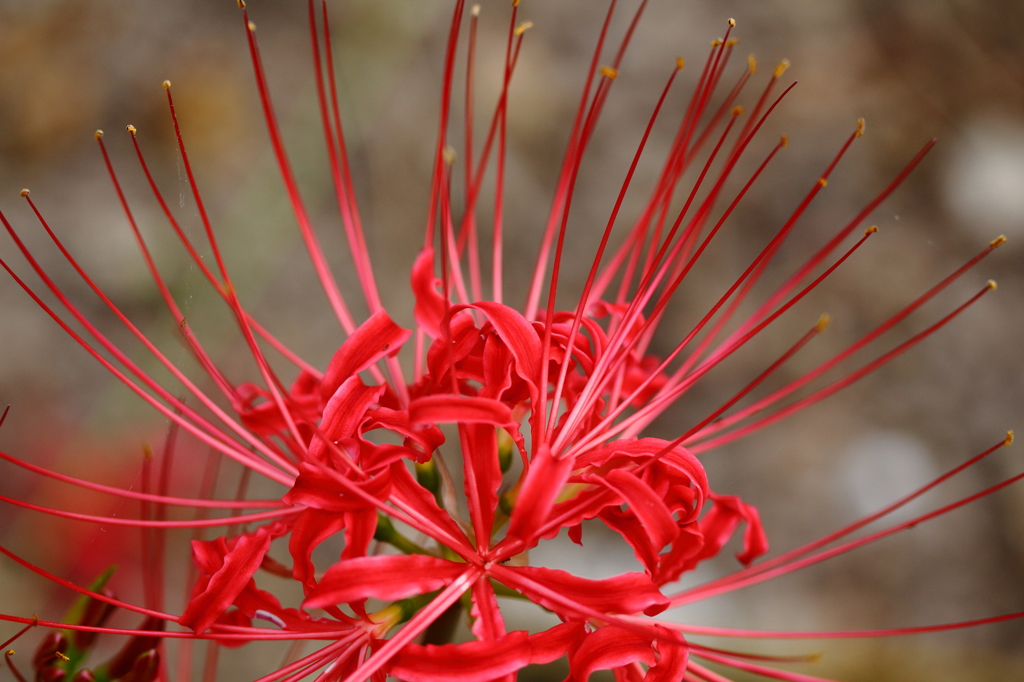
(547, 403)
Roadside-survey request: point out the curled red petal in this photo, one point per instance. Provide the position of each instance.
(473, 661)
(319, 487)
(461, 409)
(311, 528)
(673, 655)
(544, 481)
(626, 593)
(345, 411)
(755, 542)
(488, 623)
(430, 306)
(230, 578)
(359, 530)
(719, 524)
(520, 337)
(646, 505)
(379, 336)
(631, 530)
(481, 476)
(663, 651)
(385, 577)
(427, 437)
(610, 647)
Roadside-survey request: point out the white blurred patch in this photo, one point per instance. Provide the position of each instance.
(985, 177)
(881, 467)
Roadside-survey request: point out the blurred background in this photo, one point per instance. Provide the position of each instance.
(915, 69)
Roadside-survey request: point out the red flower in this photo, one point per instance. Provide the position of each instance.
(547, 405)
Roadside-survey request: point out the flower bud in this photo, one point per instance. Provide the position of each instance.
(51, 673)
(428, 476)
(145, 668)
(124, 661)
(53, 644)
(94, 614)
(84, 675)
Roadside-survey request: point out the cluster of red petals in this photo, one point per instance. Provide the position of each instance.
(483, 378)
(541, 410)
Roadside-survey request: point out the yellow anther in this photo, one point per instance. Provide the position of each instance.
(751, 64)
(241, 4)
(449, 156)
(733, 42)
(998, 241)
(23, 192)
(166, 85)
(732, 23)
(61, 656)
(131, 129)
(860, 127)
(475, 11)
(823, 182)
(680, 63)
(737, 111)
(523, 28)
(98, 134)
(10, 652)
(784, 142)
(609, 72)
(716, 42)
(992, 284)
(251, 26)
(823, 322)
(871, 230)
(1009, 438)
(515, 3)
(781, 68)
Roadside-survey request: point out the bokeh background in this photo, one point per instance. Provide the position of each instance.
(915, 69)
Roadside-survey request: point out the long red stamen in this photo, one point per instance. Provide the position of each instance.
(581, 307)
(342, 191)
(202, 429)
(437, 182)
(871, 336)
(752, 276)
(161, 499)
(18, 634)
(828, 634)
(822, 253)
(203, 398)
(416, 625)
(470, 216)
(327, 281)
(225, 386)
(216, 633)
(840, 549)
(540, 267)
(757, 669)
(118, 521)
(857, 525)
(201, 264)
(9, 656)
(81, 590)
(232, 295)
(823, 393)
(665, 398)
